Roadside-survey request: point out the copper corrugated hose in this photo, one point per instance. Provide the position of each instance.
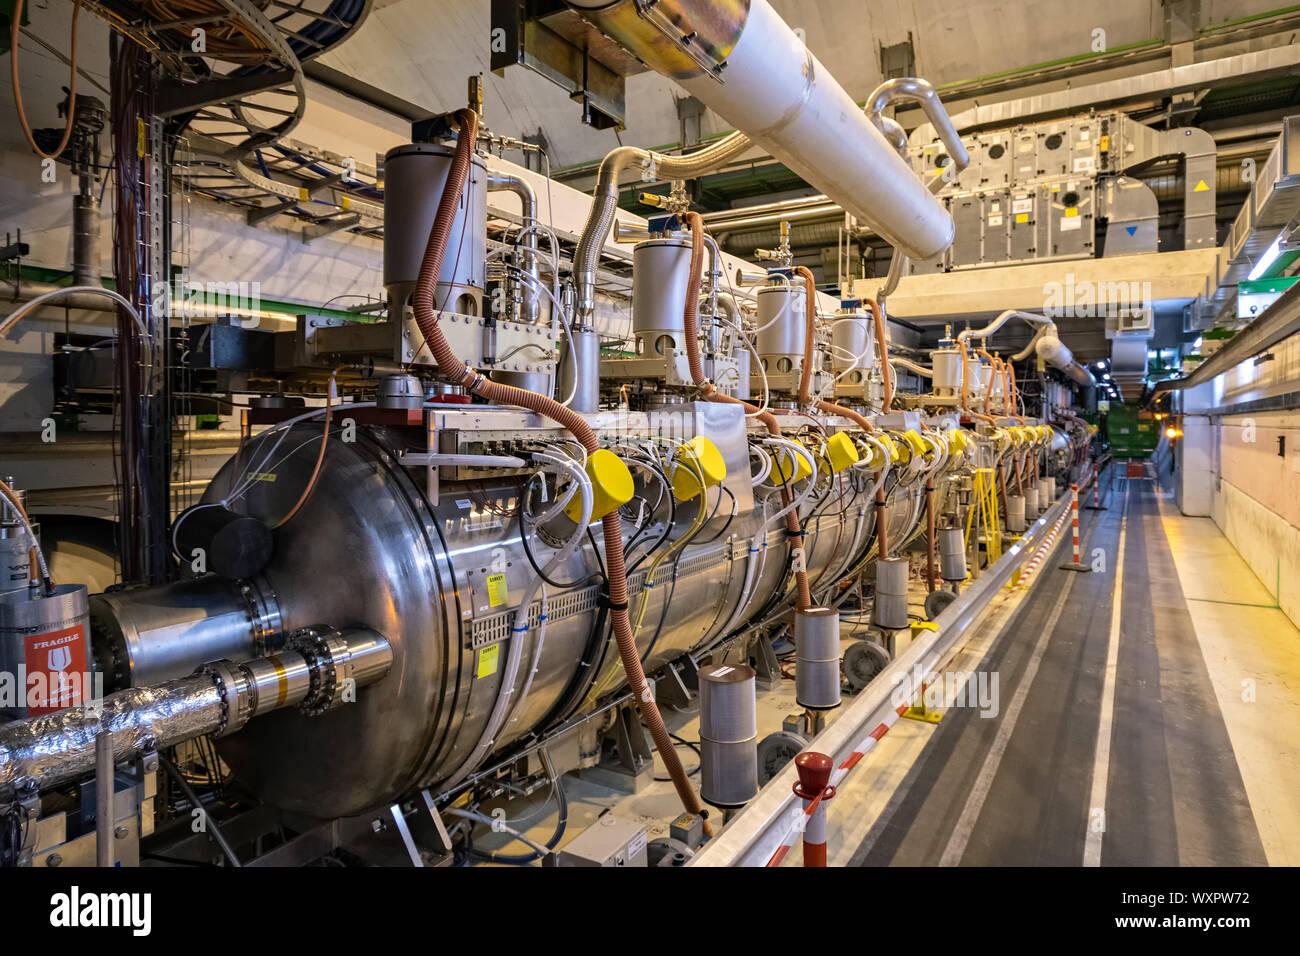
(965, 387)
(929, 534)
(456, 370)
(709, 392)
(805, 380)
(882, 352)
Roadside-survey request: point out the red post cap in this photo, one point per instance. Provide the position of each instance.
(814, 773)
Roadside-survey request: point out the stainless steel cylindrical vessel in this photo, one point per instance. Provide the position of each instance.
(853, 342)
(817, 658)
(1048, 495)
(414, 177)
(584, 346)
(952, 554)
(149, 636)
(740, 386)
(728, 735)
(781, 326)
(1031, 502)
(946, 364)
(45, 647)
(890, 607)
(660, 275)
(1015, 514)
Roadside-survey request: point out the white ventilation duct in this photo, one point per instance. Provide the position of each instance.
(745, 63)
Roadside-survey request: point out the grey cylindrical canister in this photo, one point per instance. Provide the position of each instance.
(952, 554)
(817, 658)
(47, 639)
(1015, 513)
(1048, 495)
(744, 360)
(781, 324)
(890, 608)
(852, 342)
(584, 345)
(1031, 501)
(946, 364)
(660, 275)
(16, 571)
(414, 178)
(728, 735)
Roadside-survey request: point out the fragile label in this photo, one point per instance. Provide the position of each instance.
(995, 220)
(487, 660)
(56, 660)
(498, 593)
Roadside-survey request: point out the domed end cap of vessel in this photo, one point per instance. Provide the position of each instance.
(229, 544)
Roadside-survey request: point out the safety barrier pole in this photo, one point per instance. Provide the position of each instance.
(1076, 564)
(815, 789)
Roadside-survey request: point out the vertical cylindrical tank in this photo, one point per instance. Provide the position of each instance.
(414, 177)
(580, 355)
(817, 658)
(781, 327)
(728, 735)
(890, 608)
(660, 275)
(952, 554)
(1016, 513)
(45, 638)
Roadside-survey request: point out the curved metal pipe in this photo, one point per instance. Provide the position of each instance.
(510, 182)
(921, 91)
(604, 204)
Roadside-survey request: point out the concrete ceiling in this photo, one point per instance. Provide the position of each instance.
(424, 51)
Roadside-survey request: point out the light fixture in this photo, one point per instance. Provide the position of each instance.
(1268, 258)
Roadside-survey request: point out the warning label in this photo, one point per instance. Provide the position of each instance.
(55, 664)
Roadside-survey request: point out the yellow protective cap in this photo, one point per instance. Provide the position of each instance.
(1046, 432)
(697, 457)
(913, 445)
(781, 470)
(611, 485)
(957, 441)
(840, 452)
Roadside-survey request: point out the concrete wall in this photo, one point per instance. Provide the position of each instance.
(1249, 464)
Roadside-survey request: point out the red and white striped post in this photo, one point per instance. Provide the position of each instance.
(1096, 491)
(815, 789)
(1076, 565)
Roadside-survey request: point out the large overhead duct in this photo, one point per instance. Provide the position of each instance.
(744, 62)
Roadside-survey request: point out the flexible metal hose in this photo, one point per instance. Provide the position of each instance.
(604, 204)
(460, 374)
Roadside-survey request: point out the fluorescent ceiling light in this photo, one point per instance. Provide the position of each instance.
(1268, 258)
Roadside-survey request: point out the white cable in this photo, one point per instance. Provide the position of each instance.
(510, 673)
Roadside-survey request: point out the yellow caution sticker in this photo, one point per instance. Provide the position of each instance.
(498, 593)
(1073, 211)
(345, 202)
(1104, 143)
(1022, 217)
(1201, 186)
(303, 194)
(140, 137)
(487, 660)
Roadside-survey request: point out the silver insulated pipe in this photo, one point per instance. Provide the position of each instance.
(743, 61)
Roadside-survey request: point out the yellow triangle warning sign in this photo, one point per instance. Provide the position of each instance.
(1201, 186)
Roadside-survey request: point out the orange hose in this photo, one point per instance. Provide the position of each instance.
(709, 392)
(882, 353)
(14, 26)
(320, 458)
(456, 370)
(965, 386)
